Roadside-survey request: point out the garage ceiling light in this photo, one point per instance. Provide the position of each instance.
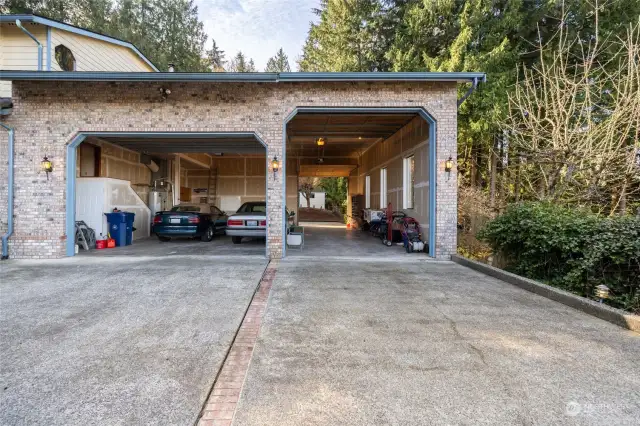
(320, 141)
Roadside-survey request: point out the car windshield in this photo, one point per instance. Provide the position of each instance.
(185, 209)
(253, 208)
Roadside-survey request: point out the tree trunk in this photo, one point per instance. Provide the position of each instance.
(492, 182)
(473, 176)
(516, 185)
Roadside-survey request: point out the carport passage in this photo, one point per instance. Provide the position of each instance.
(117, 341)
(364, 343)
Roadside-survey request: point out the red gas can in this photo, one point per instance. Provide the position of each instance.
(101, 244)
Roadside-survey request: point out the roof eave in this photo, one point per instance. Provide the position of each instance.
(240, 77)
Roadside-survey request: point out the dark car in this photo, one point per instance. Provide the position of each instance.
(190, 220)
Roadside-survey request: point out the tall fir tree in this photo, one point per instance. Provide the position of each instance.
(278, 63)
(346, 38)
(239, 63)
(215, 57)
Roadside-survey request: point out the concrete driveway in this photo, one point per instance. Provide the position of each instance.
(398, 343)
(114, 341)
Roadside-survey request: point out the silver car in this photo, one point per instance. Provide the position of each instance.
(249, 221)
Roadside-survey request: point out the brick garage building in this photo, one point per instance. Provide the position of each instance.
(51, 109)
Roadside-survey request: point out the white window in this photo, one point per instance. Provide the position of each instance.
(383, 188)
(408, 182)
(367, 192)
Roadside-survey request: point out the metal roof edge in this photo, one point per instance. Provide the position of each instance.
(76, 30)
(382, 76)
(259, 77)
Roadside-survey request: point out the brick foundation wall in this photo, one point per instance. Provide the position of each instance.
(47, 115)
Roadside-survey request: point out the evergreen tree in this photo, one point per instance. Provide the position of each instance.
(215, 56)
(239, 63)
(346, 38)
(278, 63)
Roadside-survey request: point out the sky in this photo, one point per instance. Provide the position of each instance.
(258, 27)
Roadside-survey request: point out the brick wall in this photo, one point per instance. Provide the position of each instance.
(47, 115)
(4, 185)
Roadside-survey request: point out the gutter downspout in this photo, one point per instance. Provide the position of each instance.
(473, 87)
(5, 237)
(19, 25)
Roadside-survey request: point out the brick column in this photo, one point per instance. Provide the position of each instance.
(447, 186)
(275, 200)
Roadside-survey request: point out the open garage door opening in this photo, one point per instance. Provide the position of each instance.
(169, 194)
(353, 166)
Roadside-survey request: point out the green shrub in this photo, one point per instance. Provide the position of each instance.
(571, 249)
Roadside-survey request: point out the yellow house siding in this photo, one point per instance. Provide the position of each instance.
(19, 52)
(95, 55)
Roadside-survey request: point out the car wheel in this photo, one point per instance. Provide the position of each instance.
(236, 240)
(164, 239)
(208, 236)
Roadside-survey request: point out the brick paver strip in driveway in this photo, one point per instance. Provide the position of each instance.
(117, 341)
(425, 343)
(221, 404)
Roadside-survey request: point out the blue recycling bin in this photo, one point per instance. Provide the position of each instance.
(121, 227)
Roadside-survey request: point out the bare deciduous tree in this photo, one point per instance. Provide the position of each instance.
(574, 121)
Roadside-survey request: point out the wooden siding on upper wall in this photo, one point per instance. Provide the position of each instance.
(95, 55)
(412, 139)
(18, 52)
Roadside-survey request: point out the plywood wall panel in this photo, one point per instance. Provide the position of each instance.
(229, 166)
(255, 186)
(256, 166)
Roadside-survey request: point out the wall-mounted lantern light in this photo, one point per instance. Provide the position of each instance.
(46, 166)
(448, 166)
(320, 141)
(275, 165)
(164, 92)
(171, 67)
(602, 292)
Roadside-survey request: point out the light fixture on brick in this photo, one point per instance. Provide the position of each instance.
(164, 92)
(275, 165)
(46, 166)
(448, 166)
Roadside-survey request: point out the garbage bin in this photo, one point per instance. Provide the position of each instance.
(130, 218)
(121, 227)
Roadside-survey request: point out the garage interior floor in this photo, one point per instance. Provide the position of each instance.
(321, 240)
(221, 245)
(335, 240)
